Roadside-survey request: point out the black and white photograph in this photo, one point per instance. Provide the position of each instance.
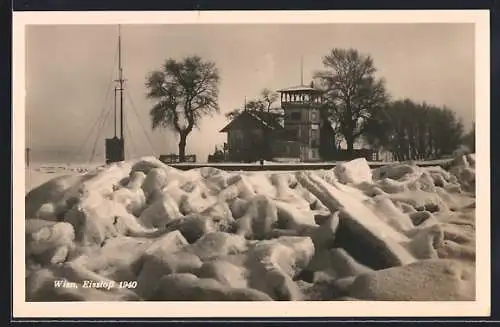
(254, 160)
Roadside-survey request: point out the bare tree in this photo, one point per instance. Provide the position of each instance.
(352, 91)
(265, 103)
(184, 92)
(268, 98)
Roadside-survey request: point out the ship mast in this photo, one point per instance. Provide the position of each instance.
(120, 79)
(115, 147)
(114, 109)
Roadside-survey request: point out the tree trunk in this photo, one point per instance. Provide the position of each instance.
(349, 133)
(350, 144)
(182, 147)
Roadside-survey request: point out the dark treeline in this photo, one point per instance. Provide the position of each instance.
(469, 139)
(413, 131)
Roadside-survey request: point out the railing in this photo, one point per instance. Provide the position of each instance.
(345, 155)
(174, 158)
(283, 166)
(302, 102)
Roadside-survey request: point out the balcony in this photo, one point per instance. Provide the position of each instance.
(304, 100)
(301, 95)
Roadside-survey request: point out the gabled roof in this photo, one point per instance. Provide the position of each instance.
(268, 120)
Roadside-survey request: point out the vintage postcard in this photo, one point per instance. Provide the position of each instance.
(288, 163)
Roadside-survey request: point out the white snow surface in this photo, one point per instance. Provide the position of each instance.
(209, 234)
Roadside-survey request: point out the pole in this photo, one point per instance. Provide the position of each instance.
(120, 79)
(301, 70)
(28, 157)
(114, 106)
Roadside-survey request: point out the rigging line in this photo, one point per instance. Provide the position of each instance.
(94, 147)
(103, 110)
(140, 123)
(96, 122)
(132, 147)
(99, 130)
(151, 144)
(99, 134)
(128, 131)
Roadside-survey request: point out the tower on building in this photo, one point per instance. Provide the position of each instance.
(301, 105)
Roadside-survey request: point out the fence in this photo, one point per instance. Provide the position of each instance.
(345, 155)
(174, 158)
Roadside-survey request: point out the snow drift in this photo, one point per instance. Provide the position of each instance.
(399, 232)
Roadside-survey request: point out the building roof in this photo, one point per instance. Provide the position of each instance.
(300, 88)
(268, 120)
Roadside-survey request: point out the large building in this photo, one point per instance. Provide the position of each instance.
(294, 135)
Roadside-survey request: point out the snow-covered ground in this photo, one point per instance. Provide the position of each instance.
(37, 174)
(399, 232)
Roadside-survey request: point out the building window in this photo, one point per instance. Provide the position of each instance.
(295, 116)
(292, 134)
(314, 138)
(314, 114)
(314, 154)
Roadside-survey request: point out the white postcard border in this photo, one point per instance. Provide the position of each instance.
(480, 307)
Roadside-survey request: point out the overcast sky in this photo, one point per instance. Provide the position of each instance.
(69, 70)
